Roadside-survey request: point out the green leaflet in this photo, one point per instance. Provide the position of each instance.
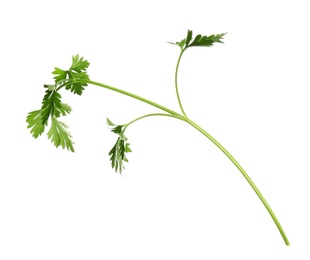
(206, 41)
(199, 40)
(118, 152)
(51, 105)
(79, 64)
(34, 120)
(110, 122)
(189, 37)
(60, 74)
(59, 135)
(65, 109)
(76, 72)
(58, 131)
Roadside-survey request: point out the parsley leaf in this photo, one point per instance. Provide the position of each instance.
(58, 132)
(65, 109)
(51, 105)
(76, 72)
(79, 64)
(206, 41)
(34, 120)
(59, 135)
(110, 122)
(199, 40)
(118, 155)
(119, 150)
(61, 74)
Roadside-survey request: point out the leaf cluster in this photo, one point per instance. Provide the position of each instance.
(199, 40)
(118, 152)
(53, 108)
(76, 72)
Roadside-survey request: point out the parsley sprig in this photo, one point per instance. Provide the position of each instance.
(73, 76)
(199, 40)
(52, 107)
(121, 147)
(75, 79)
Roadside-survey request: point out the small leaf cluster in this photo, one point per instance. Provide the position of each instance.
(199, 40)
(118, 152)
(53, 108)
(76, 72)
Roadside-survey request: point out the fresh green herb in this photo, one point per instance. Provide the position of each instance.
(59, 134)
(75, 79)
(203, 41)
(73, 76)
(119, 150)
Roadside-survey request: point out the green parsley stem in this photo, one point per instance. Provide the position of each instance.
(132, 95)
(176, 82)
(246, 176)
(231, 158)
(205, 133)
(155, 114)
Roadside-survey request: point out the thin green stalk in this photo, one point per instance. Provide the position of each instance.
(246, 176)
(176, 82)
(131, 95)
(231, 158)
(205, 133)
(155, 114)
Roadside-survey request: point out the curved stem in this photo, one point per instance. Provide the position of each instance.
(246, 176)
(155, 114)
(128, 94)
(176, 82)
(205, 133)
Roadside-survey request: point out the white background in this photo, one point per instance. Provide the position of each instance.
(179, 196)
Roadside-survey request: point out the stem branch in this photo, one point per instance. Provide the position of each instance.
(205, 133)
(246, 176)
(155, 114)
(132, 95)
(176, 82)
